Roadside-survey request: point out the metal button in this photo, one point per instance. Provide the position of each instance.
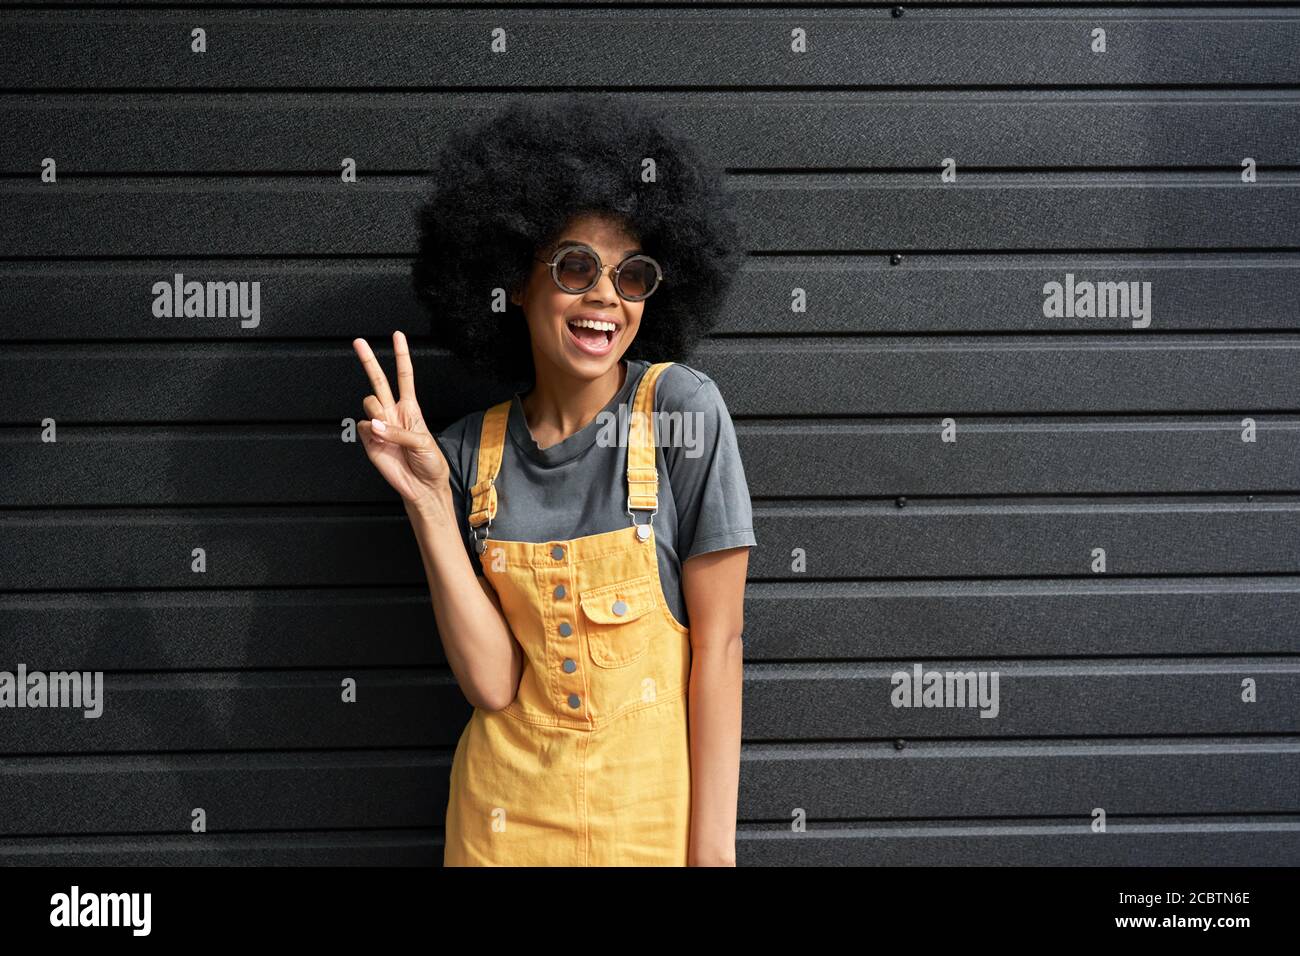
(573, 700)
(643, 531)
(559, 591)
(620, 607)
(557, 553)
(570, 665)
(565, 629)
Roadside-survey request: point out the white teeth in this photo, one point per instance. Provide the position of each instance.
(594, 324)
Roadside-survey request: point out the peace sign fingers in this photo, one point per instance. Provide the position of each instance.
(405, 373)
(375, 372)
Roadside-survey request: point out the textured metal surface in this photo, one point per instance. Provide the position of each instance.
(674, 47)
(277, 131)
(901, 212)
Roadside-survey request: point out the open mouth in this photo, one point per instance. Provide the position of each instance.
(594, 338)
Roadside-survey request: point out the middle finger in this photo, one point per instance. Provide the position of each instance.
(405, 373)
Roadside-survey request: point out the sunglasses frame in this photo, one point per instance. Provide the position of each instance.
(601, 268)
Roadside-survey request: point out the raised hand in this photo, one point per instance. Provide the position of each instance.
(401, 445)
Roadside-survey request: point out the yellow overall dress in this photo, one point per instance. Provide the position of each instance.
(590, 764)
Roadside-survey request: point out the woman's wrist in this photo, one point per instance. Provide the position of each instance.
(435, 507)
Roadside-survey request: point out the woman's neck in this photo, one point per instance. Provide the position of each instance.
(557, 407)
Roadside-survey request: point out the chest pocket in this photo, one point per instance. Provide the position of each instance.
(620, 620)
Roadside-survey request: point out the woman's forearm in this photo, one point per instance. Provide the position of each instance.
(476, 638)
(714, 705)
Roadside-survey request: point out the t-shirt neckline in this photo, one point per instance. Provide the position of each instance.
(581, 440)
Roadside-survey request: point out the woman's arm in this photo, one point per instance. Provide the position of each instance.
(476, 638)
(714, 587)
(482, 653)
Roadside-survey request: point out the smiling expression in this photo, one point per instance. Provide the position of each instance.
(585, 334)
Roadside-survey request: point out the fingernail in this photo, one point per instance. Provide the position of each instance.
(377, 425)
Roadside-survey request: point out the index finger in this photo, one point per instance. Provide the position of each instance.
(374, 371)
(405, 373)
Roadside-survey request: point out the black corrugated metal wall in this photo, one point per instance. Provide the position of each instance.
(1103, 509)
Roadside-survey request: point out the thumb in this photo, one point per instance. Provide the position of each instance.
(416, 441)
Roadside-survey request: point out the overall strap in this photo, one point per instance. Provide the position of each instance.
(491, 444)
(642, 475)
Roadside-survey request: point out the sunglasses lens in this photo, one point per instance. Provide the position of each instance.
(637, 278)
(577, 270)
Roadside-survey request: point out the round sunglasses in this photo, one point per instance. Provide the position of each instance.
(577, 268)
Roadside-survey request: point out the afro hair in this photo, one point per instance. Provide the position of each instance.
(506, 188)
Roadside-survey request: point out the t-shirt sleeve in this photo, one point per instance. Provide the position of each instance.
(460, 459)
(705, 470)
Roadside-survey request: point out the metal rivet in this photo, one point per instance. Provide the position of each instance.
(557, 553)
(565, 629)
(570, 665)
(559, 591)
(620, 607)
(573, 700)
(643, 531)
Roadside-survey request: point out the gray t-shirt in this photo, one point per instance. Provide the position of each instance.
(578, 487)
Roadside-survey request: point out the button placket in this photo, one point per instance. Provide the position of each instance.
(558, 553)
(568, 665)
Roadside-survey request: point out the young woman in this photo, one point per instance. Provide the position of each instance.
(586, 541)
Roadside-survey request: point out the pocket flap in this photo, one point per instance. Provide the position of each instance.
(619, 603)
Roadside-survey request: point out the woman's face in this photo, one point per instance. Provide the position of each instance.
(558, 344)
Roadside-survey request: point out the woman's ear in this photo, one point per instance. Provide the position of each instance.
(518, 289)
